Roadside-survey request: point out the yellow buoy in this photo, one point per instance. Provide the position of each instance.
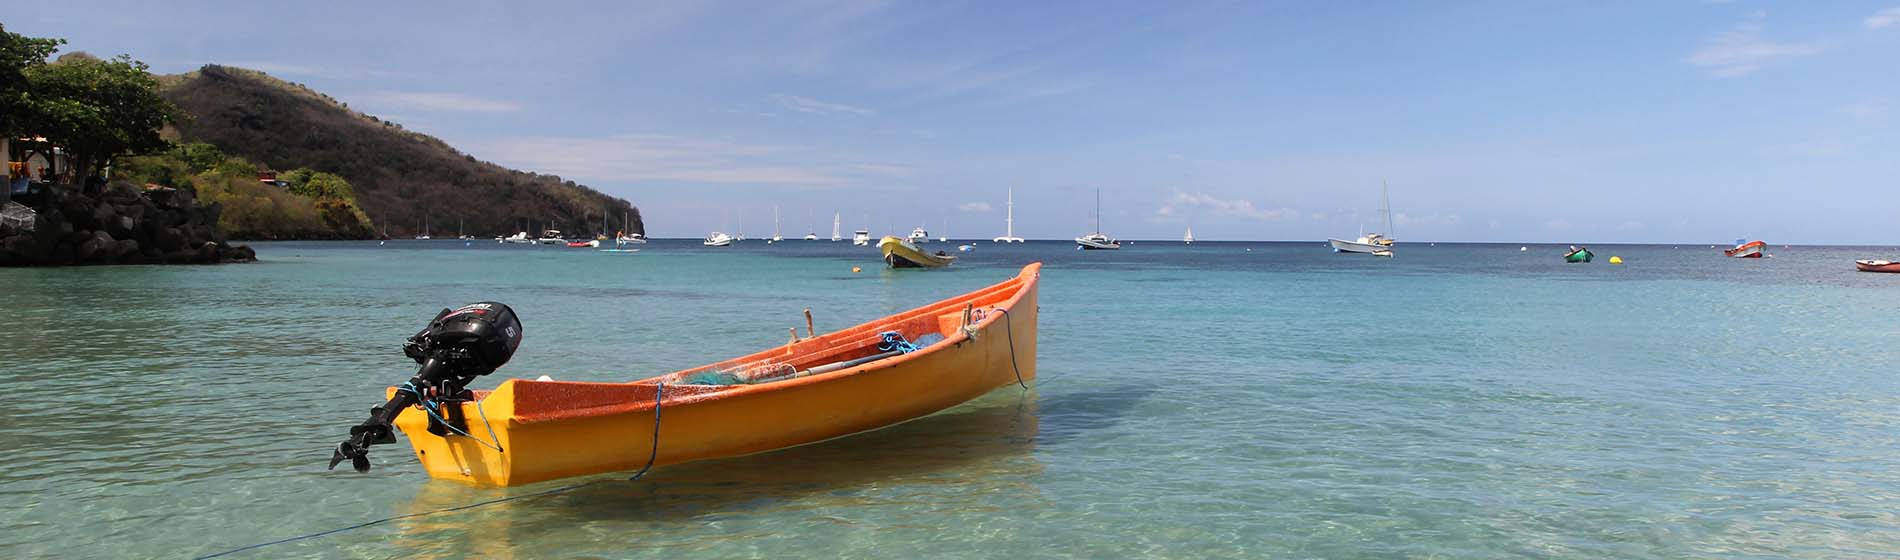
(1616, 260)
(857, 269)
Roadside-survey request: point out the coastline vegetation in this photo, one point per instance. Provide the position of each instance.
(308, 205)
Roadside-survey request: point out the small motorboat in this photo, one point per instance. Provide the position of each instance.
(717, 239)
(587, 243)
(551, 237)
(1747, 250)
(861, 238)
(521, 237)
(1579, 255)
(1877, 266)
(901, 253)
(810, 389)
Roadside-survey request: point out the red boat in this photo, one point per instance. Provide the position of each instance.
(1877, 266)
(1749, 250)
(595, 243)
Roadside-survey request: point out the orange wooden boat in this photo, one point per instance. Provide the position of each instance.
(810, 389)
(1877, 266)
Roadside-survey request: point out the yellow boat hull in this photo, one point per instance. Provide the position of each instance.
(554, 429)
(901, 254)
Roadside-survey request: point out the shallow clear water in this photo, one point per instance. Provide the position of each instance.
(1219, 400)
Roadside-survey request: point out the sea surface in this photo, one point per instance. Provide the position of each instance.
(1220, 400)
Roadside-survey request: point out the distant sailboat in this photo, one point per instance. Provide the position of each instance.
(1009, 220)
(1097, 240)
(943, 235)
(834, 227)
(1374, 243)
(425, 228)
(777, 232)
(811, 230)
(1189, 238)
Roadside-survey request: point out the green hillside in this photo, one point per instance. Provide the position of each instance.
(398, 176)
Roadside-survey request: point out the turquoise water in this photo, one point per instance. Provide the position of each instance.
(1219, 400)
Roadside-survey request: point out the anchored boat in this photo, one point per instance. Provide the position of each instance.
(810, 389)
(1096, 240)
(1877, 266)
(899, 253)
(1579, 255)
(1747, 250)
(1374, 243)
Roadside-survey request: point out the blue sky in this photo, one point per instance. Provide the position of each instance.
(1690, 121)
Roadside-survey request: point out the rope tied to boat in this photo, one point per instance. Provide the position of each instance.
(1011, 329)
(430, 406)
(659, 392)
(895, 341)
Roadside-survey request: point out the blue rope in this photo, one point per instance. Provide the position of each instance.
(1011, 329)
(658, 392)
(429, 407)
(893, 340)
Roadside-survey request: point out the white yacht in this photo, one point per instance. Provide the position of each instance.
(918, 236)
(1009, 221)
(834, 227)
(1189, 238)
(551, 237)
(521, 237)
(717, 239)
(1097, 240)
(1373, 243)
(861, 237)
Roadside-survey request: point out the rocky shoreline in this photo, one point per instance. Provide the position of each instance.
(121, 223)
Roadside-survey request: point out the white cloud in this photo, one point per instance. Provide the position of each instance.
(978, 207)
(1883, 19)
(809, 105)
(1240, 208)
(658, 157)
(437, 101)
(1741, 51)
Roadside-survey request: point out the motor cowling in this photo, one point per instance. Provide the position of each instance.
(471, 341)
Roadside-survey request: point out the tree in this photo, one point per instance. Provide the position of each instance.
(18, 53)
(97, 109)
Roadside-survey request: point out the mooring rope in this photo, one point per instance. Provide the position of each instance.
(660, 391)
(1011, 329)
(429, 407)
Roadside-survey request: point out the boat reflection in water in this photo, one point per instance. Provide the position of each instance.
(963, 459)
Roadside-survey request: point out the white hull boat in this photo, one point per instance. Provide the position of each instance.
(717, 240)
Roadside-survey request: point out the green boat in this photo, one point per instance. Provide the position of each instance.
(1579, 255)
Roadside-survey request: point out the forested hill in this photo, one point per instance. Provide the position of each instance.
(399, 176)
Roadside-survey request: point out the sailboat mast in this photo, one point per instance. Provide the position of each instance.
(1385, 209)
(1098, 211)
(1009, 214)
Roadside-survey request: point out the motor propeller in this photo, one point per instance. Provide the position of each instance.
(458, 346)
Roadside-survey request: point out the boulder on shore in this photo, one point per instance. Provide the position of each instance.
(121, 224)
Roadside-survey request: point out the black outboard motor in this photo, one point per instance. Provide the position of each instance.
(457, 347)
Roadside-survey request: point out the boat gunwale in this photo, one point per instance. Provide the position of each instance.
(1021, 284)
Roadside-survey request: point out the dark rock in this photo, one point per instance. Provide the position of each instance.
(207, 253)
(241, 253)
(121, 227)
(169, 240)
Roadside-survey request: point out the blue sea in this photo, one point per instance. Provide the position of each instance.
(1220, 400)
